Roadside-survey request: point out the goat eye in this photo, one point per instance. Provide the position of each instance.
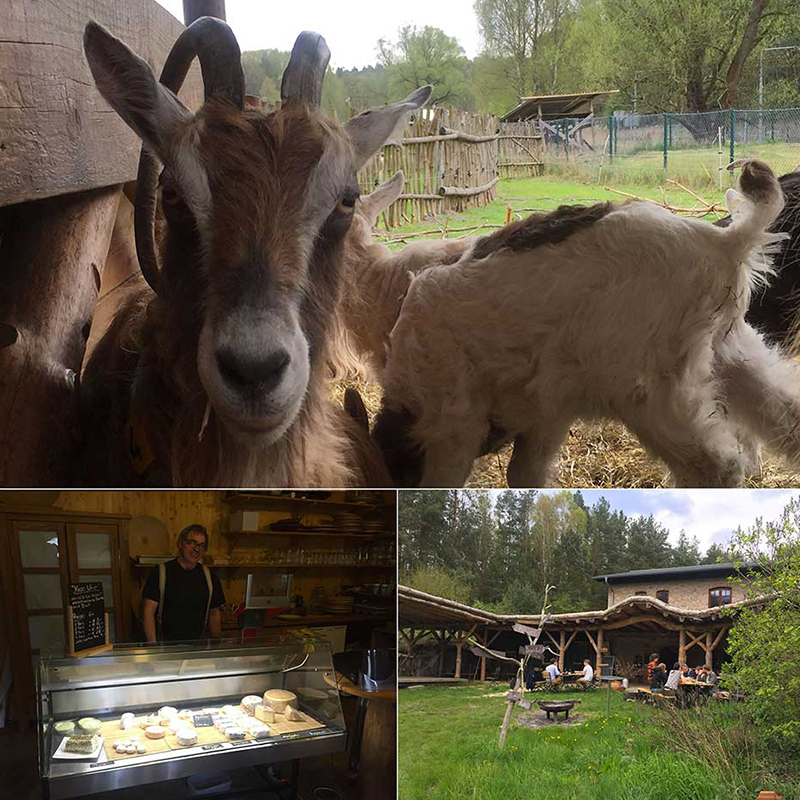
(347, 203)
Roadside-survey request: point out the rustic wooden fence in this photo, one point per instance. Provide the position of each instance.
(452, 160)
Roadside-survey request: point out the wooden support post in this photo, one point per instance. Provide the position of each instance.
(709, 650)
(483, 658)
(194, 9)
(441, 652)
(507, 717)
(459, 643)
(53, 254)
(561, 649)
(682, 647)
(598, 671)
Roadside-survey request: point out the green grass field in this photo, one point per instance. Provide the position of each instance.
(448, 750)
(544, 194)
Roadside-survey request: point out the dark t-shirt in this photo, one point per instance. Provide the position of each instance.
(185, 600)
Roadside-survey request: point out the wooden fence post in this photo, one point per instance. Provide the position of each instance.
(53, 253)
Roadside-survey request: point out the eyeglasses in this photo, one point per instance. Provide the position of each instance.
(195, 544)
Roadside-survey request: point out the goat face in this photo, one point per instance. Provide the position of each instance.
(256, 207)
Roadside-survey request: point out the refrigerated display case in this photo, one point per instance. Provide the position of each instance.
(205, 684)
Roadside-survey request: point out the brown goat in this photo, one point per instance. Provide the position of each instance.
(215, 374)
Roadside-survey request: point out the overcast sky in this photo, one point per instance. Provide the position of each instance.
(351, 27)
(709, 514)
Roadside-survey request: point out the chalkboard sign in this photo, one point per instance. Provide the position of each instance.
(87, 620)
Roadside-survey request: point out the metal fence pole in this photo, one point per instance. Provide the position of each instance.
(611, 139)
(666, 139)
(733, 136)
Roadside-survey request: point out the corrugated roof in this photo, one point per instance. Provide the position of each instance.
(697, 571)
(554, 106)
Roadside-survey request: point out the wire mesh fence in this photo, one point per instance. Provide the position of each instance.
(693, 149)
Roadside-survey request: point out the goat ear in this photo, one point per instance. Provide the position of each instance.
(382, 197)
(128, 85)
(373, 129)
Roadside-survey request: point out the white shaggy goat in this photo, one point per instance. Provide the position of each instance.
(628, 312)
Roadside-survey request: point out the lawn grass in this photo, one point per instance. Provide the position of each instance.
(448, 750)
(545, 194)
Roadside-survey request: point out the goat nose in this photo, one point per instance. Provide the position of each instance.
(252, 371)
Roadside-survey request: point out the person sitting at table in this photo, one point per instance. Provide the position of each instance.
(588, 672)
(674, 678)
(651, 665)
(711, 676)
(700, 675)
(659, 677)
(553, 674)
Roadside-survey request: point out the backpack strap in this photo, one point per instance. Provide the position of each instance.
(162, 582)
(207, 573)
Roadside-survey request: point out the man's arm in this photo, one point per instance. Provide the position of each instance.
(149, 619)
(215, 623)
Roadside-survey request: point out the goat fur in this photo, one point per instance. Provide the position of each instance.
(638, 316)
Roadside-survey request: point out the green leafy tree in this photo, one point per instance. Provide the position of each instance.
(422, 56)
(648, 547)
(764, 643)
(687, 552)
(440, 582)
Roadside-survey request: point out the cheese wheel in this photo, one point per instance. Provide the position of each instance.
(292, 714)
(231, 711)
(186, 736)
(89, 725)
(249, 704)
(130, 749)
(140, 749)
(155, 732)
(279, 699)
(167, 711)
(264, 713)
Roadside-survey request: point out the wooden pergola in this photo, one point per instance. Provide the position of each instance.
(422, 614)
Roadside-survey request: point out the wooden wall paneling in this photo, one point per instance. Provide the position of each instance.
(53, 259)
(59, 135)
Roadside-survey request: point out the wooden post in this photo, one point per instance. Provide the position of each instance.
(507, 717)
(599, 665)
(458, 657)
(194, 9)
(561, 650)
(441, 653)
(483, 658)
(682, 647)
(53, 255)
(709, 649)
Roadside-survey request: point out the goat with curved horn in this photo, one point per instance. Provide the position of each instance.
(305, 72)
(222, 375)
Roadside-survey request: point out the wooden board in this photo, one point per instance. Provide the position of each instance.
(112, 733)
(57, 134)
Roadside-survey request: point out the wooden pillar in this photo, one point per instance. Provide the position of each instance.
(483, 658)
(441, 652)
(193, 9)
(561, 649)
(682, 647)
(709, 649)
(599, 651)
(459, 642)
(53, 254)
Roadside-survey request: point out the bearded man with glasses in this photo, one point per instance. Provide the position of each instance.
(182, 598)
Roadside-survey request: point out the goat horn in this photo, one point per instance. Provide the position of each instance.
(213, 42)
(303, 76)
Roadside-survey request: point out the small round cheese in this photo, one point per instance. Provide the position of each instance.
(186, 736)
(127, 721)
(120, 747)
(130, 749)
(249, 704)
(231, 711)
(167, 711)
(141, 749)
(155, 732)
(279, 699)
(150, 719)
(89, 725)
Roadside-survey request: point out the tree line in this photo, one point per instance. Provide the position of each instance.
(501, 555)
(661, 56)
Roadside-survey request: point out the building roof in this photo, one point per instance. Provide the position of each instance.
(421, 610)
(680, 573)
(554, 106)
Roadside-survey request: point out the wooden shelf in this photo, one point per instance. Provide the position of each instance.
(257, 502)
(301, 532)
(219, 565)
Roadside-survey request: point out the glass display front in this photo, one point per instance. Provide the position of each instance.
(113, 718)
